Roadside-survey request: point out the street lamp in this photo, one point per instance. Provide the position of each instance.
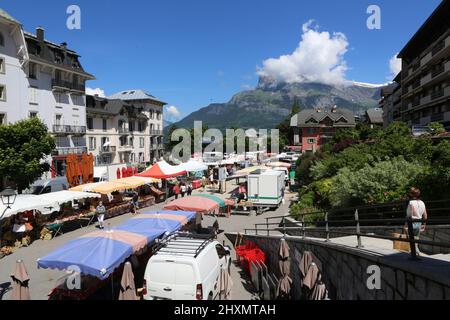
(8, 198)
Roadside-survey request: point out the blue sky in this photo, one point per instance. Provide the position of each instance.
(190, 53)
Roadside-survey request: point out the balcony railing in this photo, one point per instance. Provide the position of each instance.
(124, 130)
(63, 129)
(56, 83)
(438, 48)
(437, 94)
(438, 71)
(155, 132)
(437, 117)
(415, 103)
(416, 84)
(109, 149)
(67, 151)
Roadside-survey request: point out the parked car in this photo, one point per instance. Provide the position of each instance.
(186, 267)
(49, 186)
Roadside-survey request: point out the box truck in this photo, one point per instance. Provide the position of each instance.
(266, 189)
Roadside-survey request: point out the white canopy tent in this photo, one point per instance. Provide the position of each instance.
(46, 203)
(194, 166)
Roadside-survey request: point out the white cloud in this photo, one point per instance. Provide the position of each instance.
(173, 113)
(395, 66)
(97, 91)
(220, 73)
(319, 57)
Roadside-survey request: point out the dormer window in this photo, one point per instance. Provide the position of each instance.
(311, 120)
(2, 40)
(32, 70)
(342, 120)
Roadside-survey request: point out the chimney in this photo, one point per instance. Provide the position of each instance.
(40, 33)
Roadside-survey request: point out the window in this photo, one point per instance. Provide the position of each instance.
(131, 144)
(311, 131)
(34, 95)
(33, 114)
(131, 126)
(2, 40)
(311, 141)
(90, 123)
(2, 118)
(92, 143)
(2, 65)
(32, 70)
(58, 120)
(2, 93)
(141, 126)
(105, 124)
(151, 114)
(141, 142)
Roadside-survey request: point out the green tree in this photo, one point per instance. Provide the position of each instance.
(437, 128)
(286, 131)
(24, 146)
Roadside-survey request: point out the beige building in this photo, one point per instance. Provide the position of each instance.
(127, 130)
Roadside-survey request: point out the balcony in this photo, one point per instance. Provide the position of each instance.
(437, 117)
(124, 131)
(109, 149)
(67, 86)
(126, 148)
(156, 132)
(69, 130)
(437, 94)
(67, 151)
(438, 71)
(438, 48)
(416, 84)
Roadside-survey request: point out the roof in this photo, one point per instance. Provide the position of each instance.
(138, 94)
(432, 28)
(340, 117)
(7, 16)
(374, 115)
(49, 52)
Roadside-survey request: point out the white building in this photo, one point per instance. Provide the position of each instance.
(153, 109)
(42, 79)
(117, 132)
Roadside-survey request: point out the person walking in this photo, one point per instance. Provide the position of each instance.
(190, 188)
(183, 190)
(416, 211)
(204, 183)
(135, 203)
(100, 212)
(176, 191)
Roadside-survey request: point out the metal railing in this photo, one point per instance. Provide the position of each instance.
(109, 149)
(335, 222)
(68, 85)
(63, 129)
(67, 151)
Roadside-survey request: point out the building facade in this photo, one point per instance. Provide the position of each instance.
(42, 79)
(318, 126)
(117, 132)
(152, 135)
(425, 76)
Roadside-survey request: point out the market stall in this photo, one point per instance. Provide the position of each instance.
(163, 170)
(204, 204)
(99, 253)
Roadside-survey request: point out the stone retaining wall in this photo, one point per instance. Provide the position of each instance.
(344, 270)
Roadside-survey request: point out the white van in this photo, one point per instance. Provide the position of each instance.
(186, 267)
(49, 186)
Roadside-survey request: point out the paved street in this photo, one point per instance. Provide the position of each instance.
(42, 281)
